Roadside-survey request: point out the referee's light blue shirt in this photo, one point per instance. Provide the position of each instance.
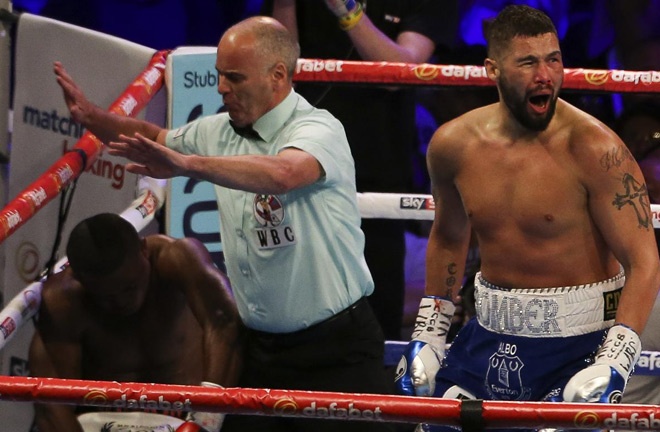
(293, 259)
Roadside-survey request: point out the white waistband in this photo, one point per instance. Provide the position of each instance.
(103, 421)
(548, 312)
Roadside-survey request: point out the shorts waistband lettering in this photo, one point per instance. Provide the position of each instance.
(547, 312)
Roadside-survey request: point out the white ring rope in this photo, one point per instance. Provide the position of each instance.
(420, 207)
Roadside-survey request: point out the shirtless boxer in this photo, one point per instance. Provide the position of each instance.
(555, 200)
(131, 309)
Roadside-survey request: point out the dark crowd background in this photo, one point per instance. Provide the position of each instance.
(597, 34)
(594, 34)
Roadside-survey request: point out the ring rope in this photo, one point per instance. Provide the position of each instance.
(420, 206)
(329, 405)
(17, 212)
(60, 174)
(347, 72)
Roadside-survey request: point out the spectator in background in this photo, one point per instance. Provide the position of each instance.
(379, 122)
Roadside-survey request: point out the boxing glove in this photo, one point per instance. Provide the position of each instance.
(605, 380)
(208, 421)
(423, 356)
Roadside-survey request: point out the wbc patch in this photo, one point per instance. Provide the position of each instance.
(269, 213)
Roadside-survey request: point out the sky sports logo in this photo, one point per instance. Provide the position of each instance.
(416, 203)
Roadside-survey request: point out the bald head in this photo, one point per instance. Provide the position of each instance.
(270, 40)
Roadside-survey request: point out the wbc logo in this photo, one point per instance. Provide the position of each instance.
(269, 213)
(268, 210)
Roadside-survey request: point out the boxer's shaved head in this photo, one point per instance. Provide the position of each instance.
(99, 245)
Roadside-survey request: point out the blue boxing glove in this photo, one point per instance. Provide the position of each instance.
(422, 358)
(605, 380)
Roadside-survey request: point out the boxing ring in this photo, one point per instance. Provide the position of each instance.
(472, 415)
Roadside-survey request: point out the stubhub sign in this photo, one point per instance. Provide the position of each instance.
(192, 210)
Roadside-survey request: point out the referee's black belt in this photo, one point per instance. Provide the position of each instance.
(337, 322)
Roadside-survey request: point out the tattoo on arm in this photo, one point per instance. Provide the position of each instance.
(451, 279)
(635, 195)
(615, 157)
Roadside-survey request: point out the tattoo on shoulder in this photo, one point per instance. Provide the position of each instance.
(615, 157)
(635, 195)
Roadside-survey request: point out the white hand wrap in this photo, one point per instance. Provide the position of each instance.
(433, 321)
(210, 421)
(620, 350)
(605, 380)
(423, 356)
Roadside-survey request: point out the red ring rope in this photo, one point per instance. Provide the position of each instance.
(71, 165)
(344, 71)
(60, 174)
(327, 405)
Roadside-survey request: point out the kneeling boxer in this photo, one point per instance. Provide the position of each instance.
(153, 309)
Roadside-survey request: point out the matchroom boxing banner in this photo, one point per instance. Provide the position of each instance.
(103, 66)
(192, 210)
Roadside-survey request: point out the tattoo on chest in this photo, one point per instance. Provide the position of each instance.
(615, 158)
(635, 195)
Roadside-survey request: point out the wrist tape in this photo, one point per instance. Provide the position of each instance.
(351, 19)
(620, 350)
(433, 321)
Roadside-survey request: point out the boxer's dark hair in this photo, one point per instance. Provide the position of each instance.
(99, 245)
(516, 20)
